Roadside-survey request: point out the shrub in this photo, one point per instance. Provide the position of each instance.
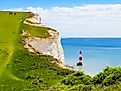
(109, 76)
(77, 78)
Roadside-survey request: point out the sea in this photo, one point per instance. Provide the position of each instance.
(97, 53)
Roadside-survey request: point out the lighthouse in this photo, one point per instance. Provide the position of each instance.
(80, 59)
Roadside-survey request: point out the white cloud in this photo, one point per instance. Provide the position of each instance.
(93, 20)
(84, 21)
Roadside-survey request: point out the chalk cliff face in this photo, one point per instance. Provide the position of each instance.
(45, 46)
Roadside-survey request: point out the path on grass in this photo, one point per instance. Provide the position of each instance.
(9, 35)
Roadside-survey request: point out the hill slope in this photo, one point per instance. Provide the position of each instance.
(9, 31)
(19, 69)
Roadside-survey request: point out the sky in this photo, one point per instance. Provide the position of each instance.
(74, 18)
(51, 3)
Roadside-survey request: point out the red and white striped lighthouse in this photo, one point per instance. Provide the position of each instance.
(80, 59)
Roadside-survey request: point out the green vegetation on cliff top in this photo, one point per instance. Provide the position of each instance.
(36, 31)
(24, 71)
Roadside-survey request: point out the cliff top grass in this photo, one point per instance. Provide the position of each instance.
(9, 28)
(36, 31)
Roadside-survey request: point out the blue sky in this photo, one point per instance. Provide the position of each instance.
(51, 3)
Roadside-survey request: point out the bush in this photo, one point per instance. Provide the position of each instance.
(77, 78)
(109, 76)
(81, 87)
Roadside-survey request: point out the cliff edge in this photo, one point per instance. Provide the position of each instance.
(44, 45)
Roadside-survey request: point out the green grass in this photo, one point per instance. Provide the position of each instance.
(9, 34)
(36, 31)
(36, 71)
(9, 31)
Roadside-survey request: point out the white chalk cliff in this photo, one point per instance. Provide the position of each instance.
(45, 46)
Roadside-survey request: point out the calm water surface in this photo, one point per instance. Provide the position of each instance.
(97, 52)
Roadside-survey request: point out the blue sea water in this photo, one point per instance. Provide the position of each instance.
(97, 53)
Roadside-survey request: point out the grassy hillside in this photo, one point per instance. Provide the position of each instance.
(19, 69)
(9, 34)
(24, 71)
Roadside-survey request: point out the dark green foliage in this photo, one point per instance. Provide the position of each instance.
(37, 69)
(81, 87)
(108, 80)
(77, 78)
(12, 13)
(109, 76)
